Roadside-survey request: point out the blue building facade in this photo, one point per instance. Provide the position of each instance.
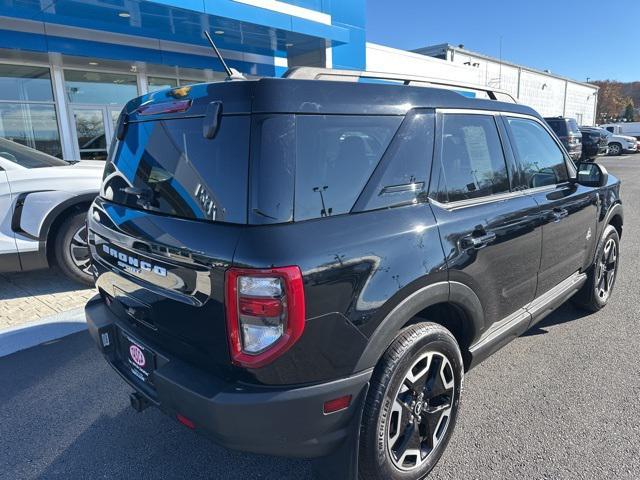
(68, 66)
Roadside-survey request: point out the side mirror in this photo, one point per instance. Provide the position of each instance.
(592, 175)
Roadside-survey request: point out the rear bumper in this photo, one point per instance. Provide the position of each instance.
(592, 151)
(274, 421)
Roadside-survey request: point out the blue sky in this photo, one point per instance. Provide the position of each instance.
(576, 38)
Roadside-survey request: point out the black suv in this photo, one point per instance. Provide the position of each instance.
(569, 134)
(307, 268)
(595, 142)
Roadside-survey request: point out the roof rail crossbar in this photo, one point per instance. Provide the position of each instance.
(317, 73)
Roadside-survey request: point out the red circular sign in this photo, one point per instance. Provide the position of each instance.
(137, 356)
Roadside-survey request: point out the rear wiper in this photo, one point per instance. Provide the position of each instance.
(145, 196)
(262, 214)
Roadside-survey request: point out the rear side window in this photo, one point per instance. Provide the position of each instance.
(335, 156)
(540, 157)
(473, 162)
(402, 175)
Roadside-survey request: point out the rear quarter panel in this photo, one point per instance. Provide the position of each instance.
(356, 268)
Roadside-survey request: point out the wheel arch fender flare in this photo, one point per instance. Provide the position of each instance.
(615, 210)
(454, 293)
(54, 214)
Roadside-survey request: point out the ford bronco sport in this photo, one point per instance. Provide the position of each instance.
(308, 268)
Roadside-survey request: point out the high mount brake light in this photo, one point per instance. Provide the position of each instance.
(174, 106)
(265, 313)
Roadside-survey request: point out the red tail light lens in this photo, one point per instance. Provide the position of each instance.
(265, 313)
(185, 421)
(337, 404)
(260, 307)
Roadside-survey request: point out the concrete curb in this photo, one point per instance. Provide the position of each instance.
(44, 330)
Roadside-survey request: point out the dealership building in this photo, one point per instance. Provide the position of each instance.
(67, 67)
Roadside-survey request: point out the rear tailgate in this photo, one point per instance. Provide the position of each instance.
(172, 205)
(170, 296)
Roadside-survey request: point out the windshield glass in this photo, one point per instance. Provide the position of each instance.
(27, 157)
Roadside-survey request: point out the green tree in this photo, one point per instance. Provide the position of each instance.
(629, 112)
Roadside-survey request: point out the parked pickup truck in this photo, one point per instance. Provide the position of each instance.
(631, 129)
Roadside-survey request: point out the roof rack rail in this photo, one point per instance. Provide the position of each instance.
(317, 73)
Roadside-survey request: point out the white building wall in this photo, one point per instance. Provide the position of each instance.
(392, 60)
(492, 74)
(504, 78)
(581, 103)
(543, 93)
(548, 94)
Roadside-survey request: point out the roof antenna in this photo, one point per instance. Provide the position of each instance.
(232, 73)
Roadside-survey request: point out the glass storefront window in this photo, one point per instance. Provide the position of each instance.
(185, 81)
(160, 83)
(100, 88)
(33, 125)
(90, 129)
(26, 84)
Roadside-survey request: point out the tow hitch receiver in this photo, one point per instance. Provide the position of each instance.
(138, 402)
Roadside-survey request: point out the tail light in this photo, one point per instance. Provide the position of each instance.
(265, 313)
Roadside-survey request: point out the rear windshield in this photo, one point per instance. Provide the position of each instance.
(558, 126)
(168, 166)
(573, 126)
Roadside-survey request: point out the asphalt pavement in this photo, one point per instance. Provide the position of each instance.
(560, 402)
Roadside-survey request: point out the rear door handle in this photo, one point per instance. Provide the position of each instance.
(478, 241)
(558, 214)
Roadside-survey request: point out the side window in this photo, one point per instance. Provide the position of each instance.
(335, 156)
(473, 162)
(610, 129)
(402, 176)
(541, 159)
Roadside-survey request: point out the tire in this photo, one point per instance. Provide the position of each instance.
(70, 245)
(601, 279)
(615, 149)
(422, 353)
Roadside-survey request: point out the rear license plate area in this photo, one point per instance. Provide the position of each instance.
(137, 359)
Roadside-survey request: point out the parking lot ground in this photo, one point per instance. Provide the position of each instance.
(30, 296)
(560, 402)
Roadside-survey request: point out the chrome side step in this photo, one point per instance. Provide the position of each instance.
(521, 320)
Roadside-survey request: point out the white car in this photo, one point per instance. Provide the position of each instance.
(43, 205)
(619, 144)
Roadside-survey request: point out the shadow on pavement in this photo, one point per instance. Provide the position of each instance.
(39, 282)
(65, 414)
(50, 328)
(564, 314)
